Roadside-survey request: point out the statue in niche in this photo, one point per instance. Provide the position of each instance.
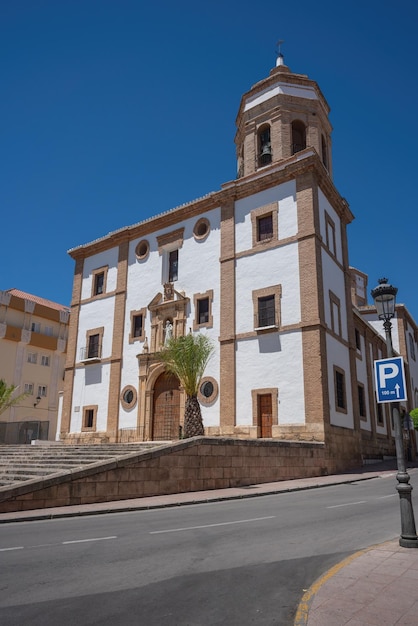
(168, 332)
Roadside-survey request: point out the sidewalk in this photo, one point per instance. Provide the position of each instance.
(376, 586)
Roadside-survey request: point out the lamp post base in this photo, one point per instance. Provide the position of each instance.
(408, 538)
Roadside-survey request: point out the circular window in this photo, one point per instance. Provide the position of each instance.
(208, 390)
(128, 397)
(201, 229)
(142, 250)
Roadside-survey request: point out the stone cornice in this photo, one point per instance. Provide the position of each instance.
(276, 174)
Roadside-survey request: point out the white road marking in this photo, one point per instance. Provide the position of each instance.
(392, 495)
(336, 506)
(15, 548)
(65, 543)
(242, 521)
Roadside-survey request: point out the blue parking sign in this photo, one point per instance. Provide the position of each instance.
(390, 380)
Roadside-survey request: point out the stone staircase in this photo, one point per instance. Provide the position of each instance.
(20, 463)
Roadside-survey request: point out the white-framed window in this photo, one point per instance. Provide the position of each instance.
(48, 330)
(42, 391)
(29, 388)
(45, 360)
(32, 357)
(35, 327)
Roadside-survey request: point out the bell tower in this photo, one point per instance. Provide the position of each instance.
(281, 115)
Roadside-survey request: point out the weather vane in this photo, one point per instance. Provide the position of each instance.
(279, 46)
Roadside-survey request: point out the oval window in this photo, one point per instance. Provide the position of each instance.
(142, 250)
(208, 390)
(201, 229)
(128, 397)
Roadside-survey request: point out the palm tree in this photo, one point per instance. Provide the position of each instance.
(6, 396)
(187, 357)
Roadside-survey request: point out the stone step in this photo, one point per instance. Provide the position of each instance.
(19, 463)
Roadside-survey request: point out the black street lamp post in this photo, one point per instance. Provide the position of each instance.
(384, 296)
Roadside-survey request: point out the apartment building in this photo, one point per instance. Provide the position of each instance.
(33, 343)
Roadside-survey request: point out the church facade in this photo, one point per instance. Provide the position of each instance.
(261, 267)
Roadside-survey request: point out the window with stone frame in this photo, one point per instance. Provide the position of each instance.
(266, 306)
(89, 418)
(99, 281)
(361, 401)
(335, 309)
(203, 310)
(340, 390)
(93, 347)
(169, 245)
(330, 239)
(137, 331)
(264, 223)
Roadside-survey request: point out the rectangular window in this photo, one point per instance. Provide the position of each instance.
(137, 331)
(203, 311)
(265, 227)
(380, 415)
(361, 401)
(45, 360)
(411, 346)
(93, 346)
(358, 340)
(173, 265)
(42, 391)
(335, 307)
(340, 397)
(137, 323)
(330, 234)
(35, 327)
(48, 330)
(98, 283)
(266, 311)
(32, 357)
(89, 418)
(29, 388)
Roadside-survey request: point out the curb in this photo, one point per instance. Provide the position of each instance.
(302, 613)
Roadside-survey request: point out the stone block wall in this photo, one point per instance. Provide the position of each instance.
(190, 465)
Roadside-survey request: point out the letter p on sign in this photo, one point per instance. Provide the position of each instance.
(386, 372)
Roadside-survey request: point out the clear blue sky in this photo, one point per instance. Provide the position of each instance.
(112, 111)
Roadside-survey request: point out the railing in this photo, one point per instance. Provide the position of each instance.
(90, 353)
(265, 319)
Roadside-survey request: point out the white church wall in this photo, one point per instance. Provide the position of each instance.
(338, 356)
(278, 266)
(284, 196)
(91, 387)
(326, 209)
(109, 259)
(333, 280)
(264, 363)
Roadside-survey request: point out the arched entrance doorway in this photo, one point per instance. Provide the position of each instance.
(166, 409)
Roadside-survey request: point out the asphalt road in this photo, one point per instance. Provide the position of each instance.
(235, 563)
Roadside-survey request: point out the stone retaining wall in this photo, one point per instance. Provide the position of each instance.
(191, 465)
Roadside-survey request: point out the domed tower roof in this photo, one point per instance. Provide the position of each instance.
(281, 115)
